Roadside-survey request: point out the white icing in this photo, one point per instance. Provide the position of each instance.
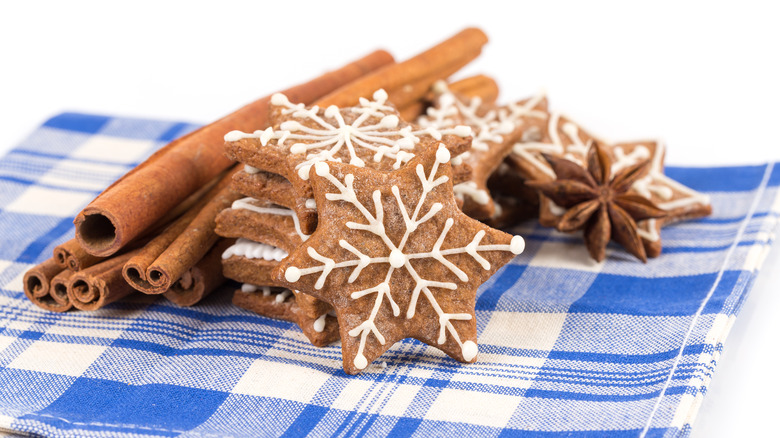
(283, 295)
(254, 250)
(470, 189)
(654, 186)
(280, 294)
(311, 204)
(319, 323)
(396, 258)
(489, 128)
(246, 204)
(384, 139)
(250, 169)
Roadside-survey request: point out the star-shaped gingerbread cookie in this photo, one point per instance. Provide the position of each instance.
(370, 134)
(559, 136)
(495, 129)
(396, 258)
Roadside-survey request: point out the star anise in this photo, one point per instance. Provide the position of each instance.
(599, 203)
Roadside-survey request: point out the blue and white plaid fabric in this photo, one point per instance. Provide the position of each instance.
(567, 346)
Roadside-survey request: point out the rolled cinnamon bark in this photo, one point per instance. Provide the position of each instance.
(37, 285)
(193, 243)
(200, 280)
(70, 255)
(422, 71)
(129, 206)
(136, 270)
(100, 284)
(59, 289)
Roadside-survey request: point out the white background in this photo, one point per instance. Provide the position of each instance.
(705, 77)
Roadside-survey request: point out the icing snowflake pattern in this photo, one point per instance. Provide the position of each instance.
(490, 127)
(396, 258)
(322, 136)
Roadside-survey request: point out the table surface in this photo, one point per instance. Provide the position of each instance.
(701, 77)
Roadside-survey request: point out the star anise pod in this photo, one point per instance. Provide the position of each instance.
(599, 203)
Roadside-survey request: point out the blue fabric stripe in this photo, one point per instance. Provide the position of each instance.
(34, 251)
(86, 123)
(305, 422)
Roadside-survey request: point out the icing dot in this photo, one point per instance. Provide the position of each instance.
(279, 99)
(397, 258)
(321, 168)
(517, 245)
(248, 288)
(303, 172)
(442, 154)
(289, 125)
(298, 148)
(462, 131)
(469, 350)
(234, 136)
(331, 111)
(311, 203)
(360, 362)
(390, 121)
(292, 274)
(251, 169)
(380, 95)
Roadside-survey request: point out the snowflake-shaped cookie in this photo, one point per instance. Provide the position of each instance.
(396, 258)
(370, 134)
(557, 135)
(495, 130)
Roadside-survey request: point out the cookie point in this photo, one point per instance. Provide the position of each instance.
(321, 168)
(442, 154)
(397, 258)
(303, 172)
(279, 99)
(517, 245)
(292, 274)
(360, 362)
(469, 350)
(234, 136)
(380, 95)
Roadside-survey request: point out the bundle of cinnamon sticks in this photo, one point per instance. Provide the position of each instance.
(152, 231)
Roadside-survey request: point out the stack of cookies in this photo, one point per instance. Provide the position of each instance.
(354, 212)
(360, 226)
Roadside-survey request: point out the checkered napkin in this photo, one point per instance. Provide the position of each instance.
(567, 345)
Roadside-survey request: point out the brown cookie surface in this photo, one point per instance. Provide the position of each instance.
(396, 258)
(495, 129)
(559, 136)
(368, 135)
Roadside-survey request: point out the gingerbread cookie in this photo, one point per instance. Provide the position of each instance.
(558, 136)
(396, 258)
(598, 201)
(280, 303)
(495, 130)
(275, 188)
(368, 135)
(251, 263)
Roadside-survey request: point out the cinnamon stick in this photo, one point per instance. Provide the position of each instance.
(70, 255)
(422, 71)
(155, 268)
(200, 280)
(136, 270)
(100, 284)
(37, 285)
(128, 207)
(59, 289)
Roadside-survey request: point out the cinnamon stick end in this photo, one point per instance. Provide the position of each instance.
(97, 234)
